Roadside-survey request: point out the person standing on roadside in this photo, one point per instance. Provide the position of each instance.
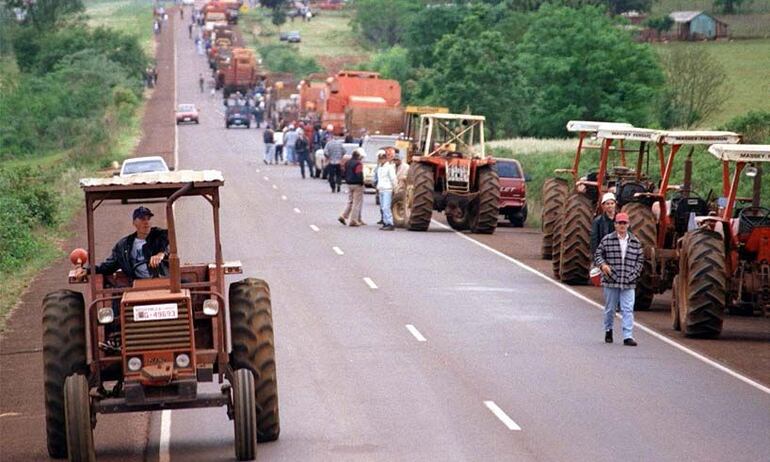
(289, 142)
(201, 81)
(269, 140)
(604, 224)
(386, 183)
(333, 153)
(354, 177)
(302, 151)
(620, 258)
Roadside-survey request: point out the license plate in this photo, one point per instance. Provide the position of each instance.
(186, 119)
(156, 312)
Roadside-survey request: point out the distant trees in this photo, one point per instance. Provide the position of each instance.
(696, 87)
(660, 24)
(44, 13)
(581, 67)
(383, 23)
(727, 6)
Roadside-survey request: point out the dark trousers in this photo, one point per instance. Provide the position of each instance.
(278, 153)
(335, 176)
(304, 157)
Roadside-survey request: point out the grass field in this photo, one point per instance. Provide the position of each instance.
(747, 63)
(130, 16)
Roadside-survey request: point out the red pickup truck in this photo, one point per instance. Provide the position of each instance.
(513, 191)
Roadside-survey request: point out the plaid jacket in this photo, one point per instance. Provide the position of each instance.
(626, 271)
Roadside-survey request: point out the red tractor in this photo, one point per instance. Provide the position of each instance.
(659, 218)
(145, 344)
(450, 172)
(725, 261)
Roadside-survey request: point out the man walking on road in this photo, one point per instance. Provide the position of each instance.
(289, 142)
(334, 152)
(354, 177)
(620, 258)
(386, 183)
(269, 140)
(302, 151)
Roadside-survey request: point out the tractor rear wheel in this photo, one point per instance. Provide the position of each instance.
(419, 197)
(488, 207)
(77, 411)
(244, 415)
(575, 254)
(675, 304)
(251, 327)
(397, 209)
(704, 284)
(642, 225)
(64, 354)
(555, 191)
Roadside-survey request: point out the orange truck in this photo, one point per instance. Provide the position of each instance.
(311, 100)
(221, 12)
(364, 100)
(239, 73)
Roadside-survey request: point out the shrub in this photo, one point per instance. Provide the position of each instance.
(754, 126)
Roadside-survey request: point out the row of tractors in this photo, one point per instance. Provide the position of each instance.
(712, 250)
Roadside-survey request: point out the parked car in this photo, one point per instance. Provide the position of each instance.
(283, 36)
(513, 191)
(293, 37)
(238, 115)
(138, 165)
(370, 145)
(187, 113)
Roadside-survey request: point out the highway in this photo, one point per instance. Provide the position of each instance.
(424, 346)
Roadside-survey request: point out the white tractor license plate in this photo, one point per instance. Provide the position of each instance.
(156, 312)
(186, 119)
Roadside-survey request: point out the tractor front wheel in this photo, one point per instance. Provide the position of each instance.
(704, 284)
(419, 197)
(488, 207)
(244, 415)
(251, 327)
(555, 191)
(397, 208)
(77, 411)
(64, 354)
(642, 224)
(575, 253)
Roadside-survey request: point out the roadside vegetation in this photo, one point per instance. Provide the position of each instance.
(69, 105)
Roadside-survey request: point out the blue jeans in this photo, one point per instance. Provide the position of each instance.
(386, 197)
(289, 150)
(269, 152)
(624, 297)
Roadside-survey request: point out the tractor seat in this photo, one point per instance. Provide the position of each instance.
(682, 207)
(752, 217)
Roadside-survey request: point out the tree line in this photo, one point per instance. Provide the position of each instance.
(530, 66)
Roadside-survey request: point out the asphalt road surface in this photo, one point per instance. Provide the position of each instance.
(426, 346)
(412, 346)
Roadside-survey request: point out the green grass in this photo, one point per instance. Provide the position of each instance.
(667, 6)
(747, 63)
(130, 16)
(706, 176)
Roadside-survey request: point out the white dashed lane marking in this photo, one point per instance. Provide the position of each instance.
(283, 198)
(296, 210)
(338, 251)
(266, 178)
(500, 414)
(315, 228)
(413, 330)
(275, 186)
(370, 283)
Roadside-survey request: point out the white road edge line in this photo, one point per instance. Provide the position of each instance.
(641, 327)
(315, 228)
(283, 198)
(296, 210)
(165, 436)
(338, 251)
(258, 170)
(176, 125)
(416, 333)
(502, 416)
(370, 283)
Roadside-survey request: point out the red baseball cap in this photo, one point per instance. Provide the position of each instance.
(621, 218)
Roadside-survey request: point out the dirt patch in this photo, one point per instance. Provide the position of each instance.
(22, 415)
(334, 64)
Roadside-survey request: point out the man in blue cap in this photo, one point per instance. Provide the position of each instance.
(140, 255)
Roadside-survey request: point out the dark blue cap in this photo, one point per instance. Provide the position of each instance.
(142, 211)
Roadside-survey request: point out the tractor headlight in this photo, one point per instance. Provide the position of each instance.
(210, 307)
(104, 315)
(182, 360)
(751, 171)
(134, 364)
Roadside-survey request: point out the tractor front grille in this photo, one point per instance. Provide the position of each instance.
(458, 177)
(166, 334)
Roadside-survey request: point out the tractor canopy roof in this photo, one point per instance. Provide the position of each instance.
(697, 137)
(152, 185)
(445, 116)
(741, 152)
(591, 126)
(613, 132)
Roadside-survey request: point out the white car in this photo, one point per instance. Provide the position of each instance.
(188, 2)
(138, 165)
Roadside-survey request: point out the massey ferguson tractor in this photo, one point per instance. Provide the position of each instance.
(124, 345)
(659, 218)
(555, 190)
(725, 261)
(571, 250)
(449, 172)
